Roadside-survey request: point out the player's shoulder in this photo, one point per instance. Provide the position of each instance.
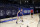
(19, 11)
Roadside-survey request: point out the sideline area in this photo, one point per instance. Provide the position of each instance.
(28, 21)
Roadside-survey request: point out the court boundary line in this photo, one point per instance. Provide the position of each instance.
(8, 20)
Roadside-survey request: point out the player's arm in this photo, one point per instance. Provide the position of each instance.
(22, 14)
(18, 12)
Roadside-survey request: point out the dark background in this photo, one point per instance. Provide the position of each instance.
(15, 4)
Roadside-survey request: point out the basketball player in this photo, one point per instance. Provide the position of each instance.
(20, 13)
(32, 13)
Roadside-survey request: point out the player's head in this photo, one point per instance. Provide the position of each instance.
(21, 9)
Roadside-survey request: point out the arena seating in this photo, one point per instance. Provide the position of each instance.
(13, 7)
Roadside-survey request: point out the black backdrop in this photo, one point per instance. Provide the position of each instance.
(8, 12)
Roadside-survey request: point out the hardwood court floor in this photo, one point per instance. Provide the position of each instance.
(28, 21)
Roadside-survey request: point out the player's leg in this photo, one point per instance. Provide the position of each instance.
(31, 15)
(17, 19)
(22, 18)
